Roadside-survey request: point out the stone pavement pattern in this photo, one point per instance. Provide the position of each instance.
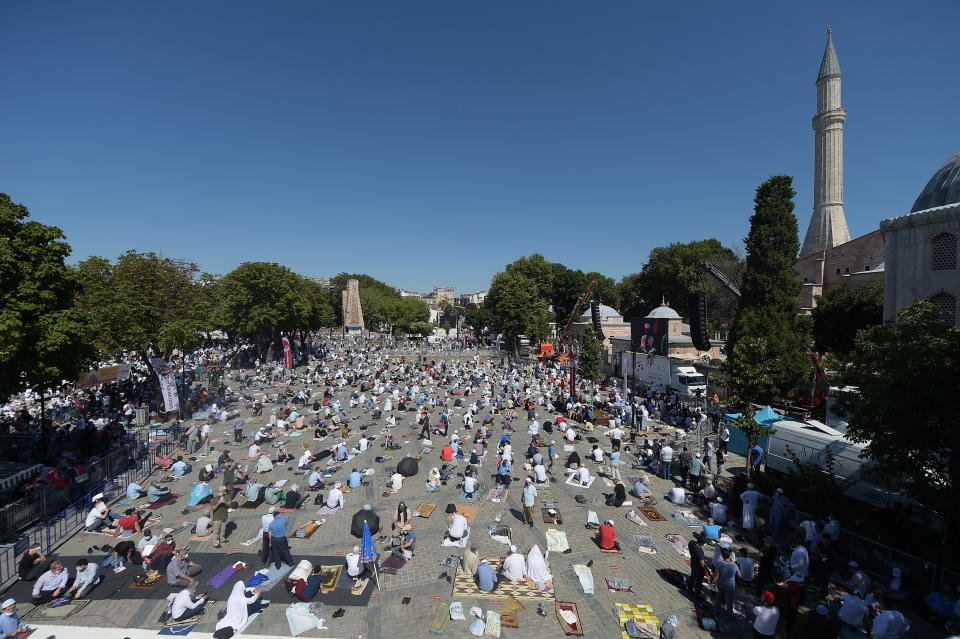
(386, 616)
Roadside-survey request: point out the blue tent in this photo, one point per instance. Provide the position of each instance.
(766, 416)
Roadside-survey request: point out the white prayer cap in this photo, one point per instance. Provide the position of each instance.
(897, 572)
(779, 491)
(356, 549)
(338, 484)
(609, 522)
(97, 497)
(719, 500)
(513, 548)
(8, 603)
(698, 455)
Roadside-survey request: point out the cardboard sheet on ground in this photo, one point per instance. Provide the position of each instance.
(557, 540)
(585, 575)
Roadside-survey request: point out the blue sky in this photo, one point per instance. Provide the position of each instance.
(430, 143)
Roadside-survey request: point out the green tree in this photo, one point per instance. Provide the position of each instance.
(263, 300)
(538, 270)
(477, 317)
(907, 405)
(769, 311)
(673, 272)
(606, 291)
(44, 337)
(404, 313)
(589, 358)
(516, 307)
(567, 286)
(843, 312)
(143, 303)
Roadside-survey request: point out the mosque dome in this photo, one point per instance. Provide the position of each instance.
(663, 312)
(606, 313)
(943, 188)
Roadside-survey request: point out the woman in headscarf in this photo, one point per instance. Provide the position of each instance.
(240, 606)
(537, 568)
(403, 517)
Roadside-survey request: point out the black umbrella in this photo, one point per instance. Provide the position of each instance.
(367, 514)
(408, 467)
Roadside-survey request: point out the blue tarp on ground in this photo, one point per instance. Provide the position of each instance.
(766, 416)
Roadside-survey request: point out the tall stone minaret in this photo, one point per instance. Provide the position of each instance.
(828, 226)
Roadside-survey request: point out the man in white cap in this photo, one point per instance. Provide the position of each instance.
(514, 566)
(335, 497)
(354, 568)
(859, 581)
(10, 625)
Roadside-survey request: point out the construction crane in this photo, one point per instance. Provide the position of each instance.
(576, 313)
(723, 279)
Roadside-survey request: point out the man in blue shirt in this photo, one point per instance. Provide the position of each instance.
(756, 457)
(10, 625)
(408, 542)
(355, 479)
(279, 546)
(157, 493)
(135, 490)
(486, 576)
(313, 481)
(180, 467)
(342, 452)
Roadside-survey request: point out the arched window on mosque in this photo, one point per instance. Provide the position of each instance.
(943, 250)
(946, 305)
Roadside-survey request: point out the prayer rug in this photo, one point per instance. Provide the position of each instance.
(331, 577)
(45, 613)
(392, 565)
(645, 544)
(585, 575)
(546, 495)
(615, 550)
(640, 613)
(679, 544)
(195, 538)
(177, 631)
(571, 481)
(425, 509)
(470, 512)
(359, 587)
(465, 588)
(275, 576)
(440, 617)
(209, 605)
(306, 531)
(221, 577)
(551, 519)
(177, 529)
(509, 613)
(688, 518)
(160, 504)
(617, 584)
(492, 628)
(497, 495)
(651, 513)
(557, 540)
(569, 618)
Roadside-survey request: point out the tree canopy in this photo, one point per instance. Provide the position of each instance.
(673, 272)
(843, 312)
(516, 307)
(906, 408)
(589, 358)
(766, 348)
(143, 302)
(374, 295)
(44, 338)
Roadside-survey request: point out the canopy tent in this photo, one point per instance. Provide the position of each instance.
(766, 417)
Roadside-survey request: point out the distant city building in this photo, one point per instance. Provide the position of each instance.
(472, 298)
(447, 292)
(322, 281)
(921, 248)
(404, 293)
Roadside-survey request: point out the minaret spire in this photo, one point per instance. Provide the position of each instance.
(828, 226)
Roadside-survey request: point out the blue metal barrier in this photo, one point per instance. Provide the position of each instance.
(66, 522)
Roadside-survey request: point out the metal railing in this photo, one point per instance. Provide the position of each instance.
(109, 476)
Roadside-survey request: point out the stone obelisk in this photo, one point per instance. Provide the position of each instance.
(352, 312)
(828, 226)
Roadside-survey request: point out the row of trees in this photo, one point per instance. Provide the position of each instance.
(56, 319)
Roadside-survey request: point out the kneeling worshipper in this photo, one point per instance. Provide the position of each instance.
(433, 482)
(582, 476)
(207, 473)
(677, 496)
(293, 497)
(86, 578)
(264, 464)
(335, 497)
(242, 603)
(307, 588)
(470, 561)
(355, 569)
(186, 605)
(514, 566)
(718, 511)
(607, 536)
(537, 569)
(618, 497)
(200, 494)
(10, 625)
(486, 576)
(458, 528)
(50, 584)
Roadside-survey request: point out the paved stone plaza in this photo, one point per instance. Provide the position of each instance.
(422, 578)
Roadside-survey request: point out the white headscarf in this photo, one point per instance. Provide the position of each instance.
(236, 616)
(537, 566)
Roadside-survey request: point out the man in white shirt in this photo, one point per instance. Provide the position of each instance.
(890, 624)
(254, 452)
(396, 481)
(583, 476)
(86, 578)
(853, 610)
(458, 528)
(540, 473)
(362, 444)
(597, 454)
(354, 567)
(514, 566)
(335, 497)
(185, 605)
(267, 519)
(800, 560)
(305, 459)
(469, 487)
(718, 511)
(666, 461)
(314, 479)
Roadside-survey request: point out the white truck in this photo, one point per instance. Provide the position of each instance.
(660, 373)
